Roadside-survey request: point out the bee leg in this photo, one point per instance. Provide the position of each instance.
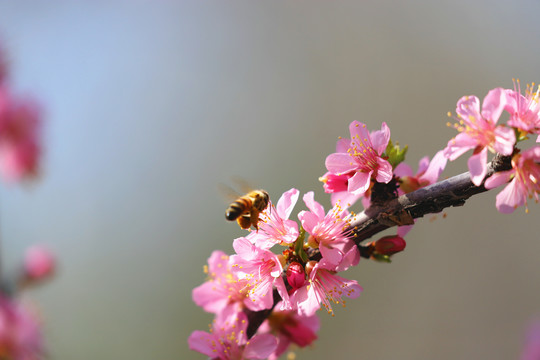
(244, 221)
(254, 215)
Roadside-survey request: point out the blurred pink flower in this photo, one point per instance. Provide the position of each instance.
(290, 328)
(525, 175)
(39, 263)
(531, 349)
(361, 156)
(20, 134)
(20, 332)
(228, 340)
(479, 132)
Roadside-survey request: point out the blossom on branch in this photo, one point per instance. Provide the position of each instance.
(329, 233)
(525, 175)
(479, 132)
(361, 157)
(524, 109)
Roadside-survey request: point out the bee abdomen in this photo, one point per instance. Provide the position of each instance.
(237, 208)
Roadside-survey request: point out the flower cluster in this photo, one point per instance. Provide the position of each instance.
(290, 285)
(480, 131)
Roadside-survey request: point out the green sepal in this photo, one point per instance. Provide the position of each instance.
(299, 246)
(381, 258)
(395, 154)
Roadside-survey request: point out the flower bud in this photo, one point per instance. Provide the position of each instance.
(39, 263)
(295, 275)
(389, 245)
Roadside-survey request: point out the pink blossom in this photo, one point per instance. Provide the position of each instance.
(39, 263)
(361, 156)
(19, 138)
(323, 287)
(20, 333)
(275, 227)
(337, 185)
(525, 175)
(428, 173)
(290, 328)
(479, 132)
(329, 233)
(261, 269)
(524, 110)
(222, 290)
(228, 340)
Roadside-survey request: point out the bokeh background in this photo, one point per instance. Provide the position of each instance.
(151, 104)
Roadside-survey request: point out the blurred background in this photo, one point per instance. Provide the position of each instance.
(150, 105)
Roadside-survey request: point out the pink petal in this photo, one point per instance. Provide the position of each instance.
(358, 130)
(459, 145)
(331, 255)
(315, 207)
(538, 139)
(380, 138)
(286, 203)
(209, 298)
(494, 104)
(340, 163)
(343, 145)
(498, 179)
(260, 347)
(309, 220)
(505, 139)
(345, 198)
(200, 341)
(282, 291)
(468, 107)
(245, 249)
(359, 183)
(404, 230)
(384, 172)
(478, 166)
(512, 196)
(403, 170)
(435, 168)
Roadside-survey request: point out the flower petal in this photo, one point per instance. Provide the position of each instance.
(494, 104)
(435, 168)
(478, 166)
(315, 207)
(498, 179)
(359, 183)
(505, 138)
(260, 347)
(340, 163)
(380, 138)
(286, 203)
(384, 172)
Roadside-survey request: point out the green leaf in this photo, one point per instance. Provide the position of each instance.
(395, 154)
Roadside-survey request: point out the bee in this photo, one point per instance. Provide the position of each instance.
(246, 209)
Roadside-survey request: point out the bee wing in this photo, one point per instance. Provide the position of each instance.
(243, 185)
(227, 192)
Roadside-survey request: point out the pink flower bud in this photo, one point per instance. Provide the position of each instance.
(295, 275)
(39, 263)
(389, 245)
